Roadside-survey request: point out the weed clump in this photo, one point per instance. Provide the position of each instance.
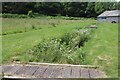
(53, 25)
(63, 50)
(33, 27)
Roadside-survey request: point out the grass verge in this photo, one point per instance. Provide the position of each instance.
(102, 49)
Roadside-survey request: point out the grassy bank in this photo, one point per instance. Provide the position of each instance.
(102, 49)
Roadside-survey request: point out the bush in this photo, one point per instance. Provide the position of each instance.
(14, 16)
(62, 50)
(33, 27)
(53, 24)
(77, 57)
(22, 16)
(30, 14)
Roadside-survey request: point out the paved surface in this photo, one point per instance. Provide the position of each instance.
(50, 71)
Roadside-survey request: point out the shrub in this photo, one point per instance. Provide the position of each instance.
(33, 27)
(23, 16)
(63, 50)
(13, 16)
(77, 57)
(0, 15)
(30, 14)
(53, 24)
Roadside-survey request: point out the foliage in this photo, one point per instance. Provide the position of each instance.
(74, 9)
(63, 50)
(99, 7)
(30, 14)
(39, 16)
(91, 9)
(13, 16)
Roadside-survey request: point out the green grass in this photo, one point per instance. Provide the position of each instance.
(16, 44)
(102, 49)
(11, 25)
(19, 25)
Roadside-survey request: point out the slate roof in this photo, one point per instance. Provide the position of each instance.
(110, 13)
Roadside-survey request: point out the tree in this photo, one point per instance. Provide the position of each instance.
(48, 8)
(75, 9)
(99, 7)
(90, 10)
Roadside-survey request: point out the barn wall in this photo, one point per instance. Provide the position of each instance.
(119, 19)
(109, 19)
(100, 19)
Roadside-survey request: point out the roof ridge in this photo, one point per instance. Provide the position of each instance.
(110, 13)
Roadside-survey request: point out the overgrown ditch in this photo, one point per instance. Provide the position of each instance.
(66, 49)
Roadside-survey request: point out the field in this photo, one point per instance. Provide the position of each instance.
(22, 35)
(15, 44)
(102, 49)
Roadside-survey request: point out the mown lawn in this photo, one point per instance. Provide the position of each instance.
(15, 45)
(102, 49)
